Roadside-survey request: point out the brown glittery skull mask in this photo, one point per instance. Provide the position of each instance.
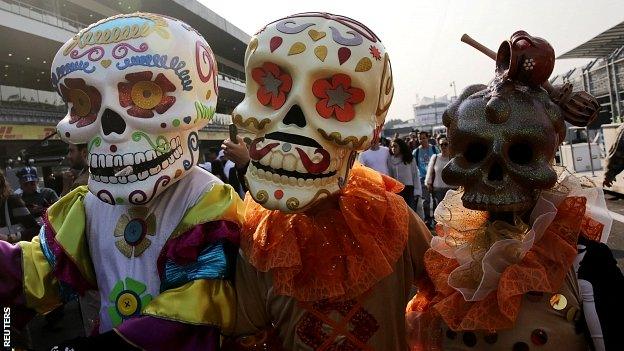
(502, 141)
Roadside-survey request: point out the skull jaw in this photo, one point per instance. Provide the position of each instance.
(142, 188)
(137, 194)
(292, 196)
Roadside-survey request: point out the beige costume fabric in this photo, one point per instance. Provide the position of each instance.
(373, 321)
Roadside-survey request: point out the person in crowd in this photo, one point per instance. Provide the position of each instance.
(16, 222)
(37, 199)
(376, 157)
(216, 167)
(433, 179)
(520, 261)
(238, 155)
(79, 173)
(158, 249)
(413, 141)
(401, 166)
(328, 259)
(227, 164)
(615, 158)
(385, 142)
(422, 154)
(205, 160)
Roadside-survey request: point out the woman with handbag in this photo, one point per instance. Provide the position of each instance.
(433, 179)
(16, 222)
(402, 167)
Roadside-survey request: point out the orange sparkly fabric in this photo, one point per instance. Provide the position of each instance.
(542, 269)
(339, 248)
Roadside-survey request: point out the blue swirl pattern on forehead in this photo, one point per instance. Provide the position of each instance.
(160, 61)
(63, 70)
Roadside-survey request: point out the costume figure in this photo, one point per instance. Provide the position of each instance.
(153, 234)
(502, 265)
(615, 159)
(329, 251)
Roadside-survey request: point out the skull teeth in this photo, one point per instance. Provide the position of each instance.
(278, 159)
(267, 175)
(501, 199)
(131, 167)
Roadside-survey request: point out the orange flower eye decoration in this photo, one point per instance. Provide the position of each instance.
(144, 96)
(275, 84)
(85, 101)
(337, 97)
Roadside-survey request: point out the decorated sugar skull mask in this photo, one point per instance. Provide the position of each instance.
(138, 89)
(502, 141)
(318, 89)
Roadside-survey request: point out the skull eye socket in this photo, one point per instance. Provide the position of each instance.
(81, 103)
(476, 152)
(520, 153)
(144, 96)
(85, 101)
(336, 97)
(274, 84)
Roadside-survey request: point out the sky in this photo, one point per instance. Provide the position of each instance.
(423, 37)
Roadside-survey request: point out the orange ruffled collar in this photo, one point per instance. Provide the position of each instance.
(543, 269)
(339, 248)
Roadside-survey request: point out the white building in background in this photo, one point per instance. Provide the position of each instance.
(427, 117)
(428, 112)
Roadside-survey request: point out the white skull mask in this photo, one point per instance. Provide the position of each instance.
(138, 87)
(318, 89)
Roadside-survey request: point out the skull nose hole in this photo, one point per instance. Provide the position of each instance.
(112, 122)
(295, 116)
(520, 153)
(475, 152)
(496, 172)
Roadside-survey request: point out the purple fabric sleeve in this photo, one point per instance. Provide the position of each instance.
(11, 281)
(151, 333)
(65, 270)
(186, 248)
(11, 284)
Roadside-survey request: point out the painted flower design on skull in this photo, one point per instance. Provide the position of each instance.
(274, 84)
(337, 97)
(375, 52)
(85, 101)
(144, 95)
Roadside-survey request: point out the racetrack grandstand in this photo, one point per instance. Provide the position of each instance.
(32, 31)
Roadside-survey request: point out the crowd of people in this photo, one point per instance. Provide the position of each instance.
(22, 208)
(416, 161)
